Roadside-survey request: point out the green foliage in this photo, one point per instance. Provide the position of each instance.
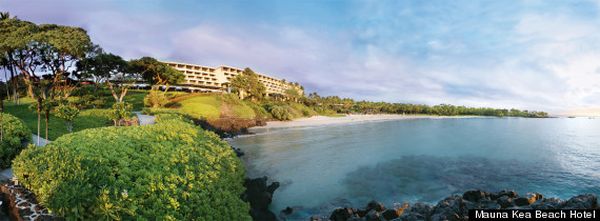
(168, 171)
(335, 104)
(280, 113)
(100, 66)
(90, 118)
(120, 111)
(155, 99)
(248, 85)
(14, 135)
(90, 101)
(155, 72)
(68, 113)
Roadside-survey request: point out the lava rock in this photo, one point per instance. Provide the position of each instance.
(259, 195)
(508, 193)
(505, 201)
(392, 213)
(585, 201)
(342, 214)
(373, 215)
(451, 208)
(377, 206)
(522, 201)
(474, 195)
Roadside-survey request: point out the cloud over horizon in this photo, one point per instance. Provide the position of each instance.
(539, 55)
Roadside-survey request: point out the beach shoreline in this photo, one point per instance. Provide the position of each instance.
(350, 118)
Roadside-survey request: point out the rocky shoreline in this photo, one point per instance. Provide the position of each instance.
(453, 208)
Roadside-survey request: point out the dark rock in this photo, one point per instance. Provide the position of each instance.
(259, 195)
(451, 208)
(361, 213)
(548, 203)
(508, 193)
(373, 215)
(342, 214)
(529, 199)
(522, 201)
(585, 201)
(474, 195)
(238, 151)
(505, 201)
(390, 214)
(287, 211)
(377, 206)
(315, 218)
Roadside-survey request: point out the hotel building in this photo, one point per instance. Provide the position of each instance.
(200, 78)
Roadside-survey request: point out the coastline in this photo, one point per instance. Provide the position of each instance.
(350, 118)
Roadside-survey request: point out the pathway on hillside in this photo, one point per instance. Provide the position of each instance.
(8, 174)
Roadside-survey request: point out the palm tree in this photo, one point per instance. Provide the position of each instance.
(4, 15)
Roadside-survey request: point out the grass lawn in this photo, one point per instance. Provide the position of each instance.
(212, 106)
(90, 118)
(206, 106)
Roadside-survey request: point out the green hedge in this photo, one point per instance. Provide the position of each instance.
(15, 136)
(168, 171)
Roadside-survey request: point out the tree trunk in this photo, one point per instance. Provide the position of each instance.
(7, 89)
(1, 118)
(39, 125)
(47, 116)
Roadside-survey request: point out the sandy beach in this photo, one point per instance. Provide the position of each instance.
(351, 118)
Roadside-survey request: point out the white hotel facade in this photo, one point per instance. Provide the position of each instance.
(200, 78)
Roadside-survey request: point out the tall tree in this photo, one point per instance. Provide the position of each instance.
(248, 85)
(155, 72)
(44, 50)
(100, 66)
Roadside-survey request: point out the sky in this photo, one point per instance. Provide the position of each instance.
(538, 55)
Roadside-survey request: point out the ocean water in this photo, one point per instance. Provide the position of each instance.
(424, 160)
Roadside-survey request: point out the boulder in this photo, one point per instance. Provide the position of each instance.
(315, 218)
(377, 206)
(373, 215)
(451, 208)
(522, 201)
(505, 201)
(585, 201)
(508, 193)
(341, 214)
(548, 203)
(390, 214)
(259, 195)
(474, 195)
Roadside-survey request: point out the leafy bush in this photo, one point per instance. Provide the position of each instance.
(281, 113)
(90, 101)
(155, 99)
(120, 110)
(14, 137)
(168, 171)
(67, 113)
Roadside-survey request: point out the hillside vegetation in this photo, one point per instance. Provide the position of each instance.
(172, 170)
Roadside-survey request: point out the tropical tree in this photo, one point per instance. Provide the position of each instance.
(155, 72)
(100, 66)
(43, 55)
(248, 85)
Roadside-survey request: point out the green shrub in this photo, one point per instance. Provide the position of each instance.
(168, 171)
(67, 113)
(155, 99)
(281, 113)
(14, 135)
(120, 110)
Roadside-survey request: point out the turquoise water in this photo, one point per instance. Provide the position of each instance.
(424, 160)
